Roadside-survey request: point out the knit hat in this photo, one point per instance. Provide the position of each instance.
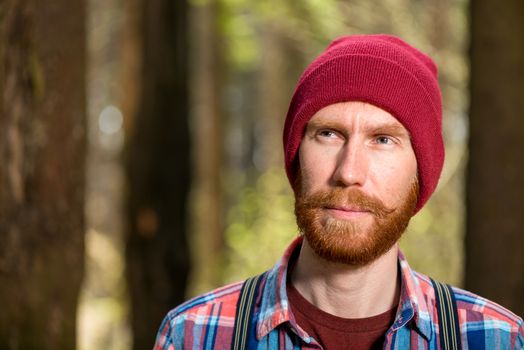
(384, 71)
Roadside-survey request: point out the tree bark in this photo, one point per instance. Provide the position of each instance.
(495, 187)
(158, 172)
(42, 171)
(207, 225)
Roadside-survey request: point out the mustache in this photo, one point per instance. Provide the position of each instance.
(345, 198)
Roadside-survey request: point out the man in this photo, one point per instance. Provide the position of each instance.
(364, 152)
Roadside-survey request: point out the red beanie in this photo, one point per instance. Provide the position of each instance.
(382, 70)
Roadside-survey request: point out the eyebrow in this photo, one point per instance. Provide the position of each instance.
(315, 125)
(391, 129)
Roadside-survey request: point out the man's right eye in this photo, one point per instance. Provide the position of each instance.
(327, 133)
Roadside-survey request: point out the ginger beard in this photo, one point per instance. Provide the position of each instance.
(349, 241)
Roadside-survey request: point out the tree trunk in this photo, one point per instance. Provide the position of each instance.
(207, 224)
(495, 187)
(42, 171)
(158, 172)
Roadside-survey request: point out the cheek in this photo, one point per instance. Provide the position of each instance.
(307, 178)
(316, 169)
(394, 176)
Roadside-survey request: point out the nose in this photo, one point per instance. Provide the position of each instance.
(352, 165)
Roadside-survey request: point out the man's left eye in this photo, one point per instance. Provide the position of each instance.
(384, 140)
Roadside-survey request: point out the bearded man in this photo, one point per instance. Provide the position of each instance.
(363, 151)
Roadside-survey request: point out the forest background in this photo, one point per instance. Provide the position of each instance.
(141, 157)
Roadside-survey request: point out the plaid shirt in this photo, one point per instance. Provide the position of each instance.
(206, 322)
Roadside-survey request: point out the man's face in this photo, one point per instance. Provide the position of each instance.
(357, 185)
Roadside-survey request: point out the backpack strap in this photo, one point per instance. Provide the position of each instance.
(244, 325)
(447, 316)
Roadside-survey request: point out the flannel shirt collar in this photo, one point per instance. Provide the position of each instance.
(275, 310)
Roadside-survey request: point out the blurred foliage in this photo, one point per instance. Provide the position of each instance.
(260, 225)
(103, 307)
(243, 21)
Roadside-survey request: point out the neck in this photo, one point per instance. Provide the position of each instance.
(344, 290)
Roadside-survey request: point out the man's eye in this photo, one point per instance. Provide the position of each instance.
(384, 140)
(327, 133)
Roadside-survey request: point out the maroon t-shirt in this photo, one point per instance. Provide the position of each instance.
(333, 332)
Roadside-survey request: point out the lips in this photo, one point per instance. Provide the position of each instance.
(343, 203)
(346, 213)
(348, 209)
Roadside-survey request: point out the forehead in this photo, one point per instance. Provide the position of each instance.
(355, 112)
